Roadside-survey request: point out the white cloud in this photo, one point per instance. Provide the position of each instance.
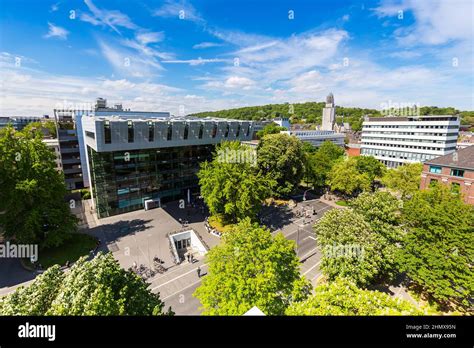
(146, 38)
(56, 32)
(180, 10)
(436, 22)
(111, 18)
(198, 61)
(206, 45)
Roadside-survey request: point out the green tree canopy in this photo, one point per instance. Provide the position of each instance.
(381, 211)
(32, 194)
(281, 157)
(346, 178)
(350, 248)
(230, 184)
(319, 162)
(404, 179)
(271, 128)
(438, 249)
(343, 297)
(370, 166)
(96, 287)
(251, 268)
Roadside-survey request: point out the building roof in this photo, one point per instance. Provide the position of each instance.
(463, 158)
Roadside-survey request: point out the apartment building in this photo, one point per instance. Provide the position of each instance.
(132, 161)
(455, 170)
(399, 140)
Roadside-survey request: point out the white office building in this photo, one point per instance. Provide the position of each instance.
(317, 137)
(399, 140)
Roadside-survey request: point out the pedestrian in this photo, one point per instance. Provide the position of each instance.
(199, 272)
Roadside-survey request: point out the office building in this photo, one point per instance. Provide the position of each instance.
(398, 140)
(317, 137)
(455, 170)
(132, 161)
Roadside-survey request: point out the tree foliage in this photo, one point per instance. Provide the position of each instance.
(347, 179)
(32, 194)
(281, 157)
(271, 128)
(343, 297)
(233, 189)
(404, 179)
(438, 250)
(381, 211)
(251, 268)
(318, 163)
(370, 166)
(96, 287)
(350, 248)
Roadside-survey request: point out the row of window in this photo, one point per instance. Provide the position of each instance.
(410, 146)
(411, 140)
(414, 126)
(454, 172)
(169, 134)
(397, 154)
(411, 133)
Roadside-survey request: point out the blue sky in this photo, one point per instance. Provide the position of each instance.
(183, 56)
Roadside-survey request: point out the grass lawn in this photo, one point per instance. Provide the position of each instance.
(342, 203)
(78, 245)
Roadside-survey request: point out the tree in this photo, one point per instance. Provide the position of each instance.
(230, 184)
(271, 128)
(281, 157)
(371, 166)
(381, 211)
(404, 179)
(251, 268)
(350, 248)
(346, 178)
(32, 194)
(438, 250)
(96, 287)
(319, 163)
(343, 297)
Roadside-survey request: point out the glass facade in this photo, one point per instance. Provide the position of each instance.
(122, 181)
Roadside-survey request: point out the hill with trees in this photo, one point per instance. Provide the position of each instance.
(311, 113)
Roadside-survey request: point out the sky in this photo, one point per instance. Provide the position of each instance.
(190, 56)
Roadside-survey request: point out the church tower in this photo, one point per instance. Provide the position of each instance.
(329, 113)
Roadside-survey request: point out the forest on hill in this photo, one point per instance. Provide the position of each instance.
(311, 113)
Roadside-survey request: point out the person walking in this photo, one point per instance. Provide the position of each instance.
(199, 272)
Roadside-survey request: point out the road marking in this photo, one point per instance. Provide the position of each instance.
(309, 270)
(181, 290)
(308, 253)
(309, 237)
(180, 276)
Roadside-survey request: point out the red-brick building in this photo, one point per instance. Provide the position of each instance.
(455, 170)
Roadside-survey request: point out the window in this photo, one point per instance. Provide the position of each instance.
(90, 134)
(435, 169)
(226, 131)
(214, 131)
(457, 172)
(238, 131)
(169, 135)
(130, 132)
(433, 182)
(455, 188)
(201, 130)
(186, 131)
(151, 131)
(248, 131)
(107, 133)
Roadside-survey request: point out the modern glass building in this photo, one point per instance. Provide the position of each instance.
(131, 161)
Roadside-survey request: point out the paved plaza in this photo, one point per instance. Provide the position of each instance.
(137, 237)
